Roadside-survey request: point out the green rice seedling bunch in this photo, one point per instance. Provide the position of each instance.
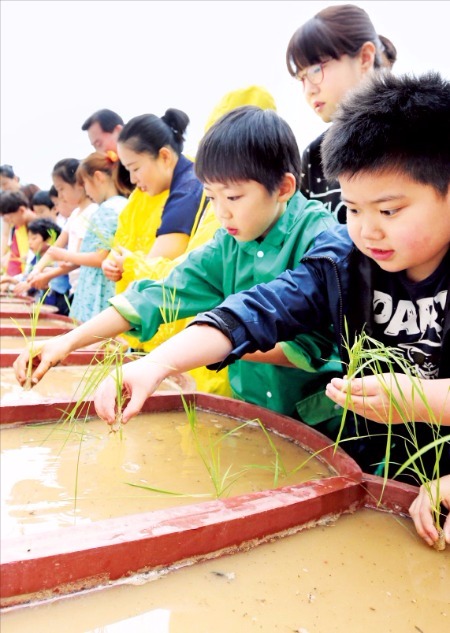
(370, 356)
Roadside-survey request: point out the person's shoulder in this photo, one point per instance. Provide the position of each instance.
(314, 146)
(333, 243)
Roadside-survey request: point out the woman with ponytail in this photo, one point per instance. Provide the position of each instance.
(150, 148)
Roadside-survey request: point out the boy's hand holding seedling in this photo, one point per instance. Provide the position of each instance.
(105, 325)
(193, 347)
(422, 514)
(46, 354)
(392, 398)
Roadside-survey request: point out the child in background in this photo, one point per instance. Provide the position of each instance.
(73, 202)
(249, 163)
(63, 211)
(16, 215)
(41, 234)
(43, 206)
(98, 173)
(330, 55)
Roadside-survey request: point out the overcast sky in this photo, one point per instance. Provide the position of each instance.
(61, 61)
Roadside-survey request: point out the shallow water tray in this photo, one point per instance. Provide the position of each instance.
(48, 324)
(76, 558)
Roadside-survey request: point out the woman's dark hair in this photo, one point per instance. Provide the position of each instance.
(42, 197)
(44, 227)
(388, 53)
(148, 133)
(248, 143)
(108, 164)
(66, 169)
(335, 31)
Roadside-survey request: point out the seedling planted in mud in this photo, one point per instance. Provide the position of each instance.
(30, 340)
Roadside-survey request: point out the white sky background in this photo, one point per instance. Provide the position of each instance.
(61, 61)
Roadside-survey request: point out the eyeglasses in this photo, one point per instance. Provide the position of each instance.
(314, 74)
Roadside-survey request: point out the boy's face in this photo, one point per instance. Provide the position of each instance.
(42, 211)
(37, 243)
(17, 218)
(245, 208)
(398, 222)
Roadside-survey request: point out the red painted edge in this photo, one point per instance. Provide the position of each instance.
(73, 558)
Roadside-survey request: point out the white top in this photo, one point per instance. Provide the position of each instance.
(76, 227)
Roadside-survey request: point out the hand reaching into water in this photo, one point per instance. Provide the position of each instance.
(140, 379)
(46, 354)
(421, 511)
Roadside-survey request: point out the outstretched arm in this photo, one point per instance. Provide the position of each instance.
(105, 325)
(195, 346)
(372, 396)
(421, 511)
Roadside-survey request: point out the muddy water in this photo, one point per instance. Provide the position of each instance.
(13, 321)
(9, 305)
(369, 573)
(67, 382)
(59, 382)
(16, 342)
(39, 468)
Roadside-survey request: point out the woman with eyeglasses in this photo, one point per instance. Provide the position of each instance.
(331, 54)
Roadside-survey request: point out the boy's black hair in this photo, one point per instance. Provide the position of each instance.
(42, 197)
(399, 124)
(11, 201)
(52, 192)
(44, 227)
(7, 171)
(248, 143)
(107, 120)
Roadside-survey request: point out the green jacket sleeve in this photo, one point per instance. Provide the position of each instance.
(195, 285)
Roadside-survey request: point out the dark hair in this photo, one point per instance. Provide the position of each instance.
(108, 164)
(44, 227)
(335, 31)
(148, 133)
(66, 169)
(107, 120)
(52, 192)
(388, 53)
(7, 171)
(399, 124)
(248, 143)
(42, 197)
(11, 201)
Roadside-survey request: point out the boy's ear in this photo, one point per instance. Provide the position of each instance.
(287, 187)
(367, 56)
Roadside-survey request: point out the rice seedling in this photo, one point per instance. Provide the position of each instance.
(369, 356)
(30, 340)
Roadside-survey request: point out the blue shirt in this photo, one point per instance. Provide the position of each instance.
(184, 200)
